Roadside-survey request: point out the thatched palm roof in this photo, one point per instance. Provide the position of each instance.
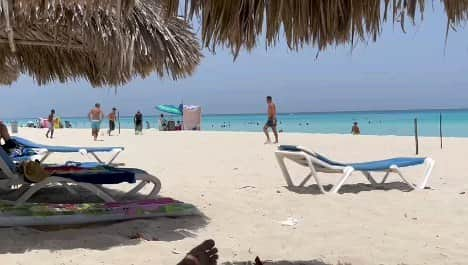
(239, 24)
(106, 42)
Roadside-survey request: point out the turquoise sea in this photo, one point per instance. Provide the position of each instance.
(454, 122)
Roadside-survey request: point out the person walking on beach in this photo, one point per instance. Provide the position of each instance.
(271, 122)
(355, 130)
(95, 117)
(138, 121)
(51, 124)
(112, 118)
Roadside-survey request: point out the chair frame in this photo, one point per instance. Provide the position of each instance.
(17, 181)
(43, 153)
(309, 159)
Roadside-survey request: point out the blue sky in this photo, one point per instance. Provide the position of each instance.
(399, 71)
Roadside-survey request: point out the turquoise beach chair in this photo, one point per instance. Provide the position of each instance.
(318, 163)
(34, 151)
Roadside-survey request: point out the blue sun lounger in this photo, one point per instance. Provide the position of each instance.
(318, 163)
(39, 152)
(12, 179)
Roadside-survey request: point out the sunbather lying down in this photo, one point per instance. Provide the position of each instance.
(203, 254)
(5, 136)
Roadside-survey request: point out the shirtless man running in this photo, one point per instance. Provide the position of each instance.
(96, 116)
(271, 122)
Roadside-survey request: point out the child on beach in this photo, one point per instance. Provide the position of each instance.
(355, 130)
(51, 124)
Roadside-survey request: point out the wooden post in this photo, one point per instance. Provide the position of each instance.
(118, 119)
(416, 135)
(440, 130)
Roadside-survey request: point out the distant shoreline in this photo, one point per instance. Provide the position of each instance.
(254, 133)
(280, 114)
(395, 122)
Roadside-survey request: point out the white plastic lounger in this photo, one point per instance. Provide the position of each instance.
(320, 164)
(11, 179)
(42, 152)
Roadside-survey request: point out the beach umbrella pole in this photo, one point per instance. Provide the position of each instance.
(416, 135)
(118, 119)
(440, 131)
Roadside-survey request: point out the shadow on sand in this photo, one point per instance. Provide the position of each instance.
(100, 236)
(351, 188)
(311, 262)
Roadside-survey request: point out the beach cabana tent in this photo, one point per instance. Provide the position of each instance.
(192, 118)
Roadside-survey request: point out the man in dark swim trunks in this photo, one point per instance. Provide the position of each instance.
(138, 120)
(271, 122)
(112, 118)
(8, 143)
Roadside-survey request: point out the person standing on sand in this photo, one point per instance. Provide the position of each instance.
(271, 122)
(355, 130)
(162, 123)
(112, 118)
(138, 121)
(95, 117)
(51, 125)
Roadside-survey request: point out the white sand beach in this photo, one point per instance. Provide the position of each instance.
(234, 179)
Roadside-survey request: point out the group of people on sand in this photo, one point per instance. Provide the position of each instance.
(272, 122)
(96, 116)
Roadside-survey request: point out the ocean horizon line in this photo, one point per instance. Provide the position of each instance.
(284, 113)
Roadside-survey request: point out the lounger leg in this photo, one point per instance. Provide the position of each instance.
(313, 172)
(69, 188)
(136, 189)
(347, 171)
(280, 158)
(369, 177)
(47, 154)
(386, 176)
(145, 179)
(397, 170)
(97, 158)
(117, 153)
(429, 162)
(55, 180)
(307, 178)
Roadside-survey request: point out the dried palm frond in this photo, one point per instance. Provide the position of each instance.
(9, 72)
(457, 11)
(239, 24)
(97, 44)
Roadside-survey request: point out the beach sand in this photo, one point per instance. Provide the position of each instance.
(234, 179)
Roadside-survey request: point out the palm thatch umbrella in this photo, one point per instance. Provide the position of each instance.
(107, 42)
(239, 24)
